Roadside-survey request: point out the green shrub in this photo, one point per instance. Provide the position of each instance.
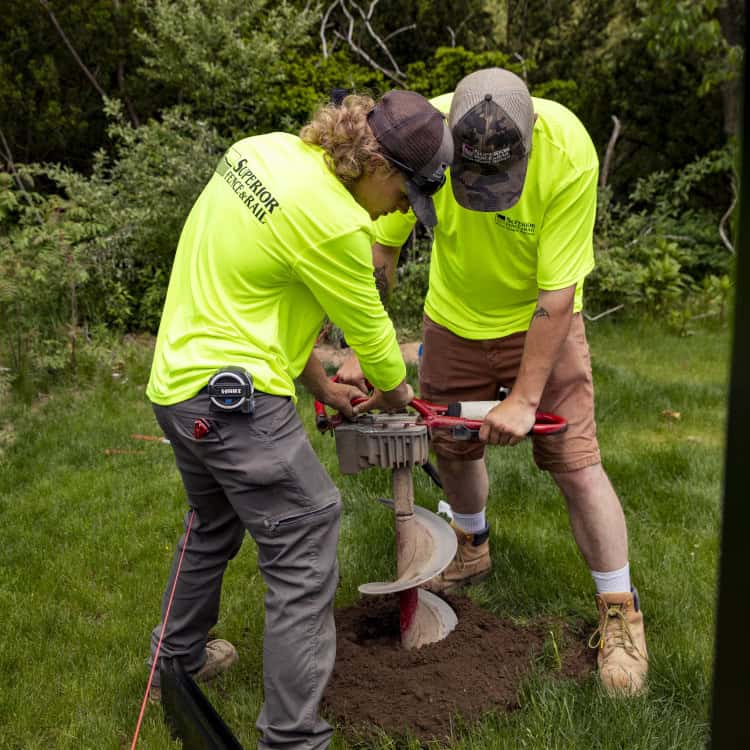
(449, 65)
(660, 254)
(221, 57)
(44, 269)
(143, 195)
(98, 250)
(306, 80)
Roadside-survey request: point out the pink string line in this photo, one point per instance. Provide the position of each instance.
(144, 703)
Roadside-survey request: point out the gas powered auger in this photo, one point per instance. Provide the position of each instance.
(425, 543)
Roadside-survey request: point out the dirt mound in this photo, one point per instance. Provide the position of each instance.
(477, 669)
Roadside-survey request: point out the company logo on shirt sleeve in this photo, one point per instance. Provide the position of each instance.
(512, 225)
(234, 170)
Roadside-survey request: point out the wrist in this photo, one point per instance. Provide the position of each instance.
(525, 398)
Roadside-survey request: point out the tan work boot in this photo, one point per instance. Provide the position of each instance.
(471, 564)
(221, 655)
(621, 642)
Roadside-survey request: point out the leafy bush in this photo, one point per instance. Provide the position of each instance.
(43, 267)
(142, 195)
(449, 65)
(306, 80)
(221, 56)
(99, 250)
(659, 253)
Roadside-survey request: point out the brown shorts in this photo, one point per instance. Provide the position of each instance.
(458, 369)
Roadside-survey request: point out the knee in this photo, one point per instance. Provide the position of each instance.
(458, 469)
(579, 483)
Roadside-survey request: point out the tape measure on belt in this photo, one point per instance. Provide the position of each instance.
(231, 389)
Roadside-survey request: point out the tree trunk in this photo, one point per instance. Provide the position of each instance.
(121, 67)
(730, 18)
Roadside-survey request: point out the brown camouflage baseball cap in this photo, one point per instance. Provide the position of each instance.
(491, 119)
(415, 138)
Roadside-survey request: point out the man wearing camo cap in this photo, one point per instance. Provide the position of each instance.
(512, 246)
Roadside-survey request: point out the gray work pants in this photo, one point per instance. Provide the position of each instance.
(259, 473)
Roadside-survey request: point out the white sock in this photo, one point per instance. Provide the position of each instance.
(471, 523)
(612, 581)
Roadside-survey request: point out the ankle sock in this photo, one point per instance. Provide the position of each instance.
(471, 523)
(612, 581)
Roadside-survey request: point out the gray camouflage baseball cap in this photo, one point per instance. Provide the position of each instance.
(492, 120)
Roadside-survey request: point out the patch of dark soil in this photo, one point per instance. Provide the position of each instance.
(477, 669)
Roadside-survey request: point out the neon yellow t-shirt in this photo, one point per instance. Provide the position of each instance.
(487, 268)
(273, 243)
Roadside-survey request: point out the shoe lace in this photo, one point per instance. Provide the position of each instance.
(459, 559)
(615, 630)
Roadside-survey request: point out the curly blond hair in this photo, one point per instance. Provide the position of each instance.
(345, 136)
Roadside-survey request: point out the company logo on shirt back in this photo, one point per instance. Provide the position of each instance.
(513, 225)
(249, 188)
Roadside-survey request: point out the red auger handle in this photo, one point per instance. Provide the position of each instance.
(436, 415)
(548, 424)
(468, 429)
(427, 409)
(322, 422)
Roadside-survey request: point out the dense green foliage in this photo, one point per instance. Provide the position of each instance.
(95, 188)
(49, 110)
(658, 250)
(97, 252)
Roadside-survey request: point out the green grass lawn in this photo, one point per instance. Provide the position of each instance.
(86, 539)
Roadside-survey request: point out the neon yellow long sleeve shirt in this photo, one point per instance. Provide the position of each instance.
(273, 244)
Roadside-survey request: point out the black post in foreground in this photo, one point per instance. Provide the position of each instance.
(189, 714)
(731, 700)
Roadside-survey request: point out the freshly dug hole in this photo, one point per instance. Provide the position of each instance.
(476, 670)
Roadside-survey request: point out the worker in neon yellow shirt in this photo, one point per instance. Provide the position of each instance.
(280, 237)
(512, 247)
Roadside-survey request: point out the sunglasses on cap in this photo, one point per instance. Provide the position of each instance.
(425, 185)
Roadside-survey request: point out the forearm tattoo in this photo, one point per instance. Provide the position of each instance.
(540, 312)
(381, 282)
